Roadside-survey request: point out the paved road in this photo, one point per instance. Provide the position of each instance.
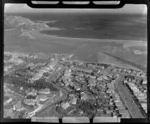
(56, 98)
(126, 95)
(50, 102)
(127, 98)
(61, 96)
(44, 107)
(124, 92)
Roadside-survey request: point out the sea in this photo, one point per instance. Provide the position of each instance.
(93, 25)
(90, 26)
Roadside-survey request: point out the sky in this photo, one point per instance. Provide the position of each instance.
(130, 8)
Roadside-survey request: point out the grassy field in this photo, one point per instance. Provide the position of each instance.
(105, 58)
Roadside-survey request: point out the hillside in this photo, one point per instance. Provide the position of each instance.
(23, 23)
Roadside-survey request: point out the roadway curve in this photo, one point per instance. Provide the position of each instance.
(127, 98)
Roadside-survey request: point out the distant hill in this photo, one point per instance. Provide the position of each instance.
(23, 23)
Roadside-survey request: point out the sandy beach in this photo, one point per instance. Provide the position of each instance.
(84, 49)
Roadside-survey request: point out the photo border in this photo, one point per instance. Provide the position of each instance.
(28, 2)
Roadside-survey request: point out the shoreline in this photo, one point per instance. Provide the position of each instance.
(125, 43)
(69, 42)
(94, 39)
(91, 39)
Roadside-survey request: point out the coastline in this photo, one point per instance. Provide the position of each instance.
(125, 43)
(39, 26)
(81, 45)
(91, 39)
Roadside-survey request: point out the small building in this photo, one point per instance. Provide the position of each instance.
(44, 91)
(29, 101)
(144, 81)
(65, 105)
(122, 112)
(109, 112)
(92, 82)
(111, 107)
(118, 104)
(83, 96)
(106, 108)
(43, 98)
(144, 105)
(73, 100)
(17, 106)
(125, 116)
(100, 110)
(33, 92)
(121, 107)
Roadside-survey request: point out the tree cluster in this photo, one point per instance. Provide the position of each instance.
(37, 85)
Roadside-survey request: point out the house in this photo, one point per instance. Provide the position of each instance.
(111, 107)
(33, 92)
(118, 104)
(44, 91)
(100, 110)
(92, 82)
(17, 106)
(99, 78)
(144, 81)
(109, 112)
(122, 112)
(73, 100)
(65, 105)
(83, 96)
(29, 101)
(126, 115)
(76, 86)
(107, 115)
(106, 108)
(144, 105)
(121, 107)
(42, 98)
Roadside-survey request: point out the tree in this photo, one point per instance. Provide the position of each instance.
(87, 107)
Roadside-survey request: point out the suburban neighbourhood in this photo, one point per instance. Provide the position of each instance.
(64, 87)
